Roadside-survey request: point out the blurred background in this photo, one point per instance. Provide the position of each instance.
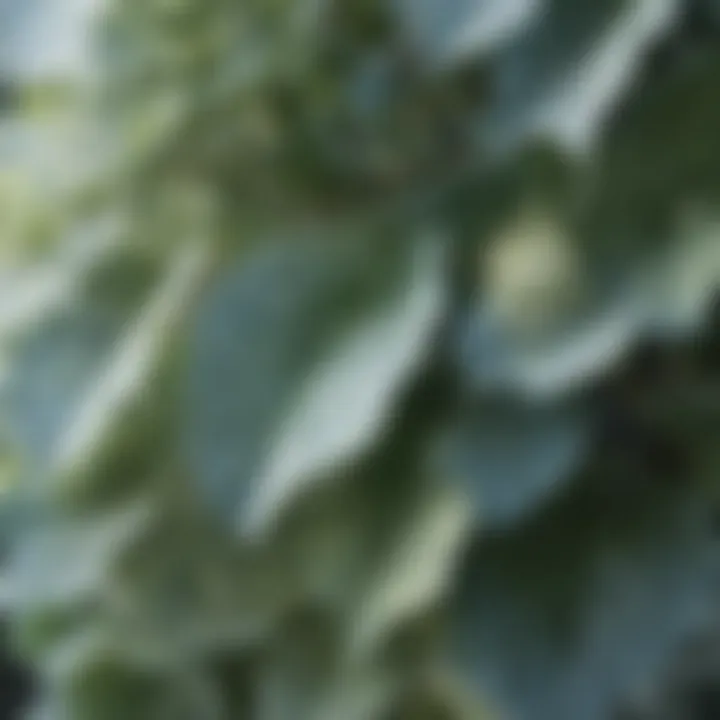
(359, 359)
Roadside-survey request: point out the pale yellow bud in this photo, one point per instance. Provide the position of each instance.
(531, 273)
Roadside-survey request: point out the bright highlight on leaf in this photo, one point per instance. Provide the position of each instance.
(349, 396)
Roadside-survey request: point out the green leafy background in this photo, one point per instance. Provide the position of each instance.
(359, 360)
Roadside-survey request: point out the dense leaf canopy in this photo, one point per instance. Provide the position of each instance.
(358, 360)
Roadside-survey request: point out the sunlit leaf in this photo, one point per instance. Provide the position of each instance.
(417, 572)
(124, 383)
(300, 359)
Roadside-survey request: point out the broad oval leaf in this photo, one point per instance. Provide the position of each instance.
(510, 457)
(568, 616)
(300, 356)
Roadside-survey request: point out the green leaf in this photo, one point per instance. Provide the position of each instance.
(300, 358)
(48, 379)
(113, 402)
(17, 512)
(571, 614)
(298, 669)
(305, 678)
(565, 74)
(324, 544)
(185, 591)
(91, 678)
(68, 560)
(657, 162)
(57, 153)
(416, 571)
(42, 40)
(361, 693)
(33, 293)
(688, 279)
(559, 362)
(551, 342)
(451, 31)
(511, 458)
(62, 331)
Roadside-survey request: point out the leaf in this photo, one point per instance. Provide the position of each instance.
(452, 31)
(17, 514)
(91, 679)
(324, 543)
(559, 362)
(67, 560)
(123, 385)
(185, 591)
(510, 458)
(59, 154)
(688, 279)
(569, 615)
(541, 338)
(299, 667)
(550, 315)
(360, 695)
(657, 161)
(48, 378)
(346, 398)
(299, 360)
(304, 678)
(416, 571)
(31, 294)
(42, 40)
(45, 709)
(564, 75)
(61, 334)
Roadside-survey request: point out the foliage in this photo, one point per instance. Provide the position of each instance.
(365, 364)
